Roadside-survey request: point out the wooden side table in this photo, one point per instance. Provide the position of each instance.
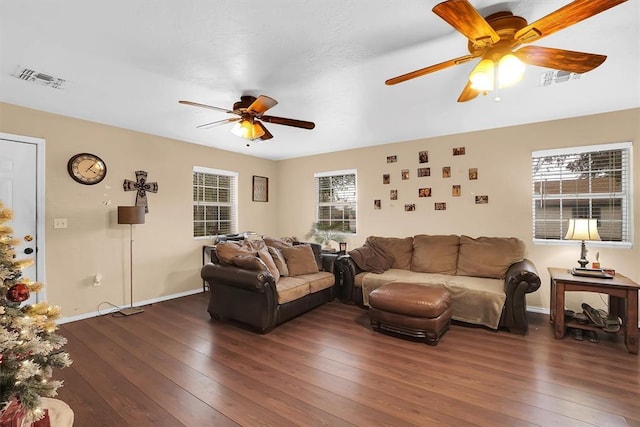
(623, 302)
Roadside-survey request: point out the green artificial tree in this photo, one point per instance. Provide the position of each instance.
(29, 346)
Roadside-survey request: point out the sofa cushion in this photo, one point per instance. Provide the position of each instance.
(300, 260)
(435, 254)
(319, 281)
(399, 249)
(264, 255)
(291, 288)
(488, 256)
(226, 251)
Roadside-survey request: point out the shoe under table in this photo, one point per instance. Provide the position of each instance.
(411, 309)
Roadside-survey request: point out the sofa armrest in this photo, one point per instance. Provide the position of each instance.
(521, 278)
(345, 272)
(229, 275)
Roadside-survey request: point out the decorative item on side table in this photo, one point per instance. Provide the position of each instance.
(326, 232)
(260, 191)
(131, 215)
(343, 248)
(29, 347)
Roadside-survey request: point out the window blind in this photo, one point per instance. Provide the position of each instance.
(215, 202)
(336, 200)
(583, 182)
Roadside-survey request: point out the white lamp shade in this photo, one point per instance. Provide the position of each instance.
(582, 229)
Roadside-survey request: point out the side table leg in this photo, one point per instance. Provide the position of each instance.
(558, 311)
(631, 322)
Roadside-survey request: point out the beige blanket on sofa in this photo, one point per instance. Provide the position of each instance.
(476, 300)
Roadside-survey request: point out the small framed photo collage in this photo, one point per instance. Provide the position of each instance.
(424, 190)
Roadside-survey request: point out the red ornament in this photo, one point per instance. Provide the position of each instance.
(18, 293)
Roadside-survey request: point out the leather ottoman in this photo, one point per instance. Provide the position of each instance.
(410, 309)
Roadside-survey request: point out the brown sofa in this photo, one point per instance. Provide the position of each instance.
(488, 277)
(264, 283)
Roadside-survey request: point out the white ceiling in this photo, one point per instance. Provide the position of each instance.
(127, 63)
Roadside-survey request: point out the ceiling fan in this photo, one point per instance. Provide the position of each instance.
(497, 40)
(250, 111)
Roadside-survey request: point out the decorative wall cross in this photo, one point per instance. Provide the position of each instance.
(141, 186)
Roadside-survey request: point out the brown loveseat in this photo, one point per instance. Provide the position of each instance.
(488, 277)
(266, 282)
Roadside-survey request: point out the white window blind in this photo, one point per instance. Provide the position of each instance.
(583, 182)
(215, 202)
(336, 198)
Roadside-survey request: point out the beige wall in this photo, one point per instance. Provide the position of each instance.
(166, 257)
(503, 159)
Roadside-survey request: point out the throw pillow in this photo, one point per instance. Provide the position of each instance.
(277, 243)
(369, 259)
(249, 262)
(263, 254)
(300, 260)
(279, 260)
(226, 251)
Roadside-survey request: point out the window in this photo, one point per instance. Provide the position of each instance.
(215, 202)
(583, 182)
(336, 201)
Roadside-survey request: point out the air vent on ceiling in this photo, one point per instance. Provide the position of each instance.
(43, 79)
(557, 76)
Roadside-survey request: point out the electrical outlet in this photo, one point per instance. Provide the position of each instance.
(60, 223)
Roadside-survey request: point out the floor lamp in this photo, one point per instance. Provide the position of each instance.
(131, 215)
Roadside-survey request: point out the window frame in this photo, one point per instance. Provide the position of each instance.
(625, 195)
(233, 199)
(353, 204)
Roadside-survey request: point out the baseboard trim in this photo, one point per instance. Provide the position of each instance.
(540, 310)
(138, 303)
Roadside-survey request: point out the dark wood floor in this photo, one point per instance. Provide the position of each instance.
(173, 366)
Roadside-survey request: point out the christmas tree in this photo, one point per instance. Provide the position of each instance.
(29, 346)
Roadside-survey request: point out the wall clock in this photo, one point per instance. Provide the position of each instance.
(87, 168)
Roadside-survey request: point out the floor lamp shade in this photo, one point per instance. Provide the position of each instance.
(130, 214)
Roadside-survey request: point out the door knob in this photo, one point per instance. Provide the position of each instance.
(28, 251)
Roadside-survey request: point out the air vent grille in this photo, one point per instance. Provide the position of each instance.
(29, 75)
(557, 76)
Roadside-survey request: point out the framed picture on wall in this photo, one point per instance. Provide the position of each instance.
(260, 189)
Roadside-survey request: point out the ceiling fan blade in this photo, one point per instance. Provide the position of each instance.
(211, 107)
(559, 59)
(218, 122)
(430, 69)
(564, 17)
(267, 135)
(288, 122)
(468, 93)
(465, 18)
(262, 104)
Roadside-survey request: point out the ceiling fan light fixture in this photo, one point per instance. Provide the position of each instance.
(247, 129)
(481, 77)
(510, 70)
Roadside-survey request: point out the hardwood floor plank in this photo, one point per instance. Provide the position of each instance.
(172, 365)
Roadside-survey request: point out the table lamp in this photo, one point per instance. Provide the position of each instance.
(583, 229)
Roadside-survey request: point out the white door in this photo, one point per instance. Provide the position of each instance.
(19, 192)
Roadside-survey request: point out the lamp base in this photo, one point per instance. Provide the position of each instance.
(131, 311)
